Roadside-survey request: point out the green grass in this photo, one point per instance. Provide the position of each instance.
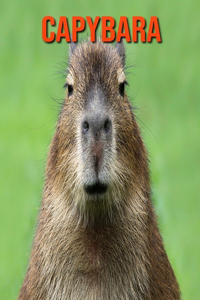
(166, 81)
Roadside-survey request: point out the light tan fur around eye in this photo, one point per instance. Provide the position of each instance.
(70, 79)
(120, 75)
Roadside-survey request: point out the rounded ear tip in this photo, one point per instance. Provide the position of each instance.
(72, 46)
(120, 46)
(121, 50)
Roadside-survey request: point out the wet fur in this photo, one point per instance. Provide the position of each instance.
(106, 247)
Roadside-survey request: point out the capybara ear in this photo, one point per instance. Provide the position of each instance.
(121, 51)
(72, 47)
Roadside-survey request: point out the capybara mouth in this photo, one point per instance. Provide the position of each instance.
(96, 189)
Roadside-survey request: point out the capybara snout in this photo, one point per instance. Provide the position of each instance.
(96, 142)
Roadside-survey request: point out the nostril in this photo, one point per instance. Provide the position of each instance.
(85, 126)
(107, 125)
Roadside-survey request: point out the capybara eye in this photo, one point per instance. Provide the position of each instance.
(107, 125)
(70, 89)
(121, 89)
(85, 127)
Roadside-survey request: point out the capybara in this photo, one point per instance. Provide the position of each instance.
(97, 237)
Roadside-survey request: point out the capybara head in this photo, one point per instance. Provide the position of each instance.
(97, 149)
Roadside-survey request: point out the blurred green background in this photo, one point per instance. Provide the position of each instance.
(164, 87)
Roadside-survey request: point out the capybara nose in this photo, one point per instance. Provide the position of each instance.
(97, 134)
(96, 126)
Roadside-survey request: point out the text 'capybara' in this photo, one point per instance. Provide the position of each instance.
(97, 236)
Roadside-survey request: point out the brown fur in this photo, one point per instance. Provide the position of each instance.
(108, 247)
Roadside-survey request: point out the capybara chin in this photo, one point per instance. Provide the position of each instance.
(97, 236)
